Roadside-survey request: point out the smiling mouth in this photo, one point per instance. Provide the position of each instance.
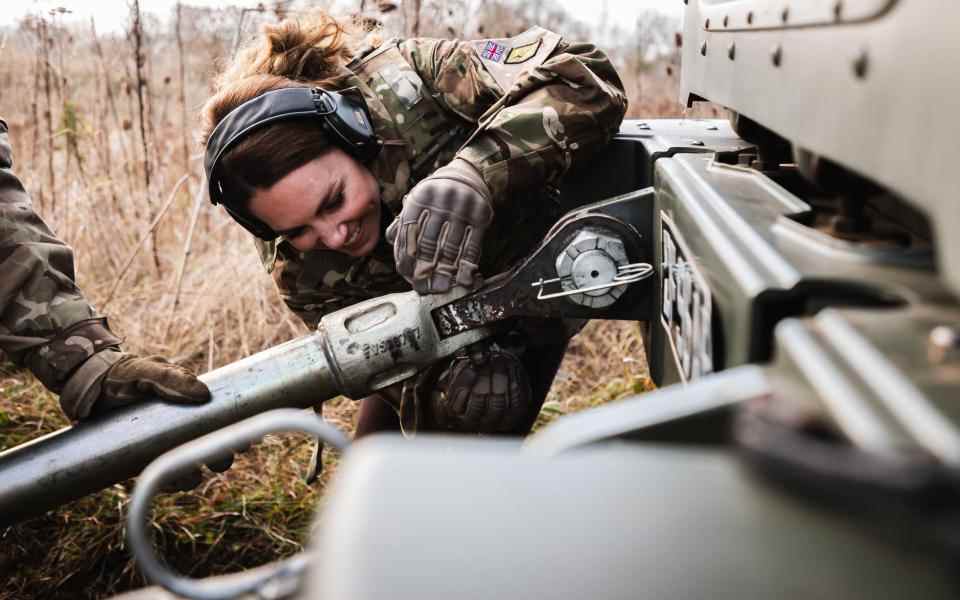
(354, 236)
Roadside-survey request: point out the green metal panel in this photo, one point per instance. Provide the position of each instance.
(731, 15)
(873, 90)
(739, 231)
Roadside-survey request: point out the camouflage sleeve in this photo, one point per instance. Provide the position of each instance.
(309, 302)
(313, 284)
(45, 322)
(552, 115)
(456, 75)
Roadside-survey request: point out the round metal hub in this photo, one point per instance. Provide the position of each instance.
(592, 258)
(593, 267)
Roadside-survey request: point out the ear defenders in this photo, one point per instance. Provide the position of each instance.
(343, 116)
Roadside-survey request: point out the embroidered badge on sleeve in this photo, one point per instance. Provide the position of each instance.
(493, 51)
(522, 53)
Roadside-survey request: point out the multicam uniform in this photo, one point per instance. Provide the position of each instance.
(45, 322)
(520, 110)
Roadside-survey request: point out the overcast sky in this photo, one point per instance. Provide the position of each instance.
(111, 15)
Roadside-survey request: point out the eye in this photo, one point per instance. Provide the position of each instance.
(335, 203)
(292, 235)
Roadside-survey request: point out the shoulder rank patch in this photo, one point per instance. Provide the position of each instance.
(493, 51)
(522, 53)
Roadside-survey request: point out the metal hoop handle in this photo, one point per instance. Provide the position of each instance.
(266, 584)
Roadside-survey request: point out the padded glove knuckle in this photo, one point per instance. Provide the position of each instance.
(490, 393)
(447, 215)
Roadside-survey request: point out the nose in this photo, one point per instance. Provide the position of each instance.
(322, 234)
(333, 237)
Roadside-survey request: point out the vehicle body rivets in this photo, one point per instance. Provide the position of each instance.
(861, 65)
(776, 56)
(732, 50)
(703, 49)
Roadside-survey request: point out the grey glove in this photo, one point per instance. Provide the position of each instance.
(483, 390)
(438, 235)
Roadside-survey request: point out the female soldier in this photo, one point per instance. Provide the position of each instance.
(467, 141)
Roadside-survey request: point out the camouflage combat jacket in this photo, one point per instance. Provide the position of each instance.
(521, 110)
(45, 322)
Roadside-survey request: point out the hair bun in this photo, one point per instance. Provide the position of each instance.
(310, 48)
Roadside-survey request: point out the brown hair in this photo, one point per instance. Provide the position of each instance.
(306, 52)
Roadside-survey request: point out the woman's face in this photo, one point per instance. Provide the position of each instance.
(332, 203)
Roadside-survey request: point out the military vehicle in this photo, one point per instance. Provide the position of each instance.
(796, 268)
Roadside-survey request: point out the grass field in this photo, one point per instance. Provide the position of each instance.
(105, 144)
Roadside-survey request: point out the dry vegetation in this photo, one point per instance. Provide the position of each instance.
(102, 128)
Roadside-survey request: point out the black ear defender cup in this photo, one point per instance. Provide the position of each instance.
(343, 115)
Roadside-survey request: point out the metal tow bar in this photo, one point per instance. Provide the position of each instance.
(594, 256)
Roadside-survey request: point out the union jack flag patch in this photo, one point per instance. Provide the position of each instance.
(493, 51)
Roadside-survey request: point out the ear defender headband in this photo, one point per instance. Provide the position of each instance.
(343, 116)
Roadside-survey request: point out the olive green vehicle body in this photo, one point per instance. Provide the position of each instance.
(757, 297)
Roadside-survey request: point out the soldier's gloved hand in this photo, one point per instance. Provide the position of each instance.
(111, 379)
(134, 378)
(437, 236)
(483, 390)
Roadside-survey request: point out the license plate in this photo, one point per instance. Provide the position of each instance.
(687, 306)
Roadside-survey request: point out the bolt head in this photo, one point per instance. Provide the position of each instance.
(944, 336)
(943, 344)
(776, 55)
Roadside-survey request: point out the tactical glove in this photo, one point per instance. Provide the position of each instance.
(437, 237)
(483, 390)
(111, 379)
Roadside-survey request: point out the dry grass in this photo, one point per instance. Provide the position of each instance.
(79, 147)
